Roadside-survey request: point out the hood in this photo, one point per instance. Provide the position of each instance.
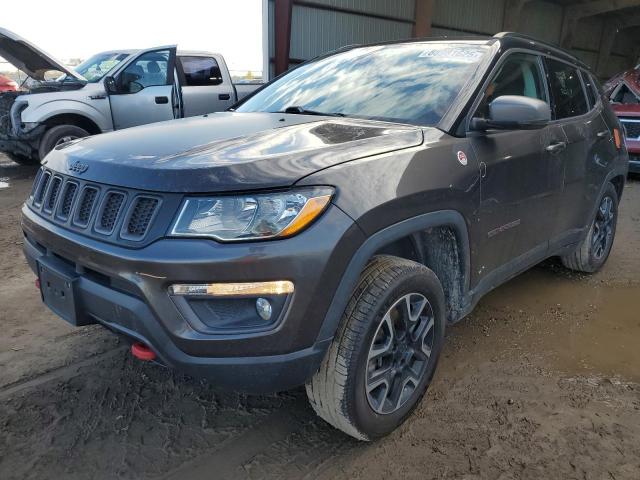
(29, 58)
(227, 151)
(631, 78)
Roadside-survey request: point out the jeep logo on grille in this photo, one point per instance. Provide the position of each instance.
(78, 167)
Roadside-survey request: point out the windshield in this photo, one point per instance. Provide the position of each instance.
(96, 67)
(409, 83)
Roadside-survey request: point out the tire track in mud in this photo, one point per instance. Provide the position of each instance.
(65, 372)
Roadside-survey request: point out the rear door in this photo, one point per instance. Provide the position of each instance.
(520, 177)
(587, 139)
(206, 87)
(145, 89)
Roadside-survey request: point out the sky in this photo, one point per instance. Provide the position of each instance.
(79, 29)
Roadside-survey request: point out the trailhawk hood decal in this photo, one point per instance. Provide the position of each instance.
(29, 58)
(227, 151)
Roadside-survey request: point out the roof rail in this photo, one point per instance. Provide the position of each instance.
(550, 46)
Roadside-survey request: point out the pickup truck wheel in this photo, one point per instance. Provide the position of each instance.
(385, 351)
(593, 251)
(58, 135)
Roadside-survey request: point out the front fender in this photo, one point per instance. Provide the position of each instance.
(449, 218)
(99, 111)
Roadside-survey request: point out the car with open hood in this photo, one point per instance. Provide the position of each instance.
(7, 84)
(326, 230)
(109, 91)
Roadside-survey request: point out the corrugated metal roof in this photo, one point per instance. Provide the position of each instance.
(396, 8)
(314, 31)
(470, 15)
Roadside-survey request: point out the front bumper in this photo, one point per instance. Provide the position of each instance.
(23, 143)
(633, 147)
(126, 290)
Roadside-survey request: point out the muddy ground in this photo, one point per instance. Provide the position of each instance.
(542, 381)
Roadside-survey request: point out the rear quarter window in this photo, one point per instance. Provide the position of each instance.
(201, 71)
(592, 90)
(566, 90)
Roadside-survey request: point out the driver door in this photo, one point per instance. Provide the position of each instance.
(145, 90)
(521, 178)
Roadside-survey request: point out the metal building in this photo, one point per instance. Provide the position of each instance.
(603, 33)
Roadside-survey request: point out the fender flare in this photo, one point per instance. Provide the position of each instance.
(53, 108)
(442, 218)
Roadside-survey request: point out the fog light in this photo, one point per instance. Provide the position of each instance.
(263, 307)
(279, 287)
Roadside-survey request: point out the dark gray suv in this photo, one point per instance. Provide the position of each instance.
(327, 229)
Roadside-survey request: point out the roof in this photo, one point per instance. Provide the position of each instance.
(196, 53)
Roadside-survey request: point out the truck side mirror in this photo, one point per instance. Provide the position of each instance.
(110, 85)
(514, 112)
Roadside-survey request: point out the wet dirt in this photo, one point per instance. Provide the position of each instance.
(540, 381)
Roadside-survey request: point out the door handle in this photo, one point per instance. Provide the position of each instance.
(604, 134)
(556, 147)
(224, 96)
(162, 100)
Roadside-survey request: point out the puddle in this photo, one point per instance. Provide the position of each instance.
(575, 326)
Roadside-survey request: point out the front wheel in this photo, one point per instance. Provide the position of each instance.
(385, 352)
(57, 136)
(593, 251)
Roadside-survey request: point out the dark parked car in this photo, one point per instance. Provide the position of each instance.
(328, 229)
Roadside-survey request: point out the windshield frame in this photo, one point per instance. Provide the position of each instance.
(449, 117)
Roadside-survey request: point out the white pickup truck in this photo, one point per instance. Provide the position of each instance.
(109, 91)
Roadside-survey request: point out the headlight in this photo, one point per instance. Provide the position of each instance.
(251, 217)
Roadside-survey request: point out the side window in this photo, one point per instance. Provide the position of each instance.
(592, 92)
(566, 89)
(148, 70)
(519, 74)
(201, 71)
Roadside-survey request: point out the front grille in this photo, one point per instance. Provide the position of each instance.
(109, 213)
(53, 193)
(68, 197)
(42, 187)
(631, 128)
(85, 206)
(97, 210)
(143, 211)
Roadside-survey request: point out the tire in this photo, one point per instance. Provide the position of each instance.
(22, 159)
(591, 254)
(341, 391)
(57, 135)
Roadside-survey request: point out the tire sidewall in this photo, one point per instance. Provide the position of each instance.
(367, 421)
(50, 138)
(594, 263)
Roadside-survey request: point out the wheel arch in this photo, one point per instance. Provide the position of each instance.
(76, 119)
(424, 238)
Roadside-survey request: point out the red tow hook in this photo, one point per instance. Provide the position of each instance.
(142, 352)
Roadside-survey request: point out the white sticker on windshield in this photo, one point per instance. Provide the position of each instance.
(464, 54)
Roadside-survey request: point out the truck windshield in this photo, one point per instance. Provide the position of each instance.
(408, 83)
(99, 65)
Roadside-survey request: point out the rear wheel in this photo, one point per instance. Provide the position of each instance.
(57, 136)
(593, 251)
(385, 351)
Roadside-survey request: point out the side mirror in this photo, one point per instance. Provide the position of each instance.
(514, 112)
(110, 85)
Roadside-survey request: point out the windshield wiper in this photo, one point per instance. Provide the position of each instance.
(303, 111)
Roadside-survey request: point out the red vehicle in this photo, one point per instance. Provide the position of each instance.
(7, 85)
(623, 92)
